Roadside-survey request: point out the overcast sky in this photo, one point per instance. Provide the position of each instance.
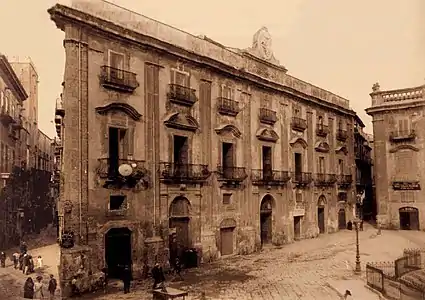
(341, 46)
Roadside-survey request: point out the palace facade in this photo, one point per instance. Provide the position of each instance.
(398, 119)
(167, 134)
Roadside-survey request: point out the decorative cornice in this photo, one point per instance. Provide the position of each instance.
(403, 147)
(342, 149)
(11, 80)
(230, 128)
(394, 106)
(322, 146)
(124, 107)
(267, 135)
(300, 141)
(182, 122)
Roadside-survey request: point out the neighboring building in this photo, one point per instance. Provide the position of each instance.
(44, 153)
(399, 169)
(168, 133)
(365, 206)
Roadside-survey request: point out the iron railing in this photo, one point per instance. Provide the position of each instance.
(345, 180)
(108, 168)
(178, 172)
(231, 173)
(341, 134)
(302, 178)
(227, 106)
(118, 79)
(405, 135)
(298, 124)
(268, 116)
(269, 177)
(322, 179)
(182, 95)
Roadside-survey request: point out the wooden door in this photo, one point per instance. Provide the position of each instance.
(298, 166)
(297, 227)
(342, 223)
(414, 220)
(266, 227)
(228, 160)
(267, 162)
(321, 219)
(226, 235)
(182, 232)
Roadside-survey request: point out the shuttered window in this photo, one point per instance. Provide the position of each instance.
(403, 127)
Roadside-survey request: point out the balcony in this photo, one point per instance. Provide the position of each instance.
(301, 178)
(269, 177)
(6, 116)
(228, 107)
(298, 124)
(181, 95)
(59, 109)
(183, 173)
(344, 181)
(322, 130)
(324, 180)
(108, 170)
(267, 116)
(231, 174)
(341, 135)
(117, 79)
(402, 136)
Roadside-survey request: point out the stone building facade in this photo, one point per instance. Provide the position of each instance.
(398, 149)
(174, 141)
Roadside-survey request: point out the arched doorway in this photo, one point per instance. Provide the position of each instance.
(409, 218)
(321, 213)
(342, 222)
(117, 250)
(179, 227)
(227, 228)
(266, 209)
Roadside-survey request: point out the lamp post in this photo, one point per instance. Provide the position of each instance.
(358, 268)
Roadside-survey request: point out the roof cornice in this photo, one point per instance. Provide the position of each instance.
(12, 81)
(392, 106)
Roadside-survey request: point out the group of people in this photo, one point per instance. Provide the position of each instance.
(34, 290)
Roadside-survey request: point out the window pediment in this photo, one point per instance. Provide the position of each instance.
(267, 135)
(403, 147)
(322, 146)
(298, 140)
(229, 128)
(124, 107)
(342, 149)
(179, 121)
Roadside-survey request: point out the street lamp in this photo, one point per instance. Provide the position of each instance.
(358, 268)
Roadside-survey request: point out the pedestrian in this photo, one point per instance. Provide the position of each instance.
(126, 278)
(15, 256)
(23, 247)
(3, 259)
(345, 296)
(178, 268)
(52, 287)
(29, 288)
(158, 275)
(25, 264)
(30, 265)
(38, 288)
(39, 262)
(75, 291)
(21, 261)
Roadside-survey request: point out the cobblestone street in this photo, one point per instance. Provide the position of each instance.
(306, 269)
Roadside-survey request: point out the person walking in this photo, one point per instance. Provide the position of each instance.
(25, 263)
(52, 287)
(158, 275)
(15, 259)
(345, 296)
(29, 288)
(126, 278)
(38, 288)
(178, 268)
(39, 262)
(3, 259)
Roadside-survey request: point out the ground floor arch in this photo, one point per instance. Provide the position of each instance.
(179, 221)
(118, 250)
(321, 204)
(409, 218)
(266, 217)
(342, 219)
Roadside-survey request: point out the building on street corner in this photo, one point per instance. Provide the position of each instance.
(177, 142)
(398, 165)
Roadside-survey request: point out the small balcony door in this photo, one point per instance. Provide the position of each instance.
(321, 165)
(181, 155)
(340, 167)
(267, 162)
(116, 62)
(117, 140)
(227, 159)
(298, 166)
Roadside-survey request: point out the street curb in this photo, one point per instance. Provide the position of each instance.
(334, 289)
(381, 297)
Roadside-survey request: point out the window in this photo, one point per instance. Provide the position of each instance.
(226, 92)
(118, 147)
(403, 127)
(117, 202)
(116, 62)
(298, 163)
(297, 111)
(181, 150)
(180, 78)
(227, 155)
(321, 165)
(227, 198)
(341, 167)
(320, 121)
(298, 197)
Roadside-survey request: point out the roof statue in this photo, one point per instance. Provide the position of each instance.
(262, 46)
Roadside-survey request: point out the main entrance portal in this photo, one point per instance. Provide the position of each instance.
(409, 218)
(266, 209)
(179, 225)
(117, 250)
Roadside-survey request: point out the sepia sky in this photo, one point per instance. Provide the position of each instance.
(341, 46)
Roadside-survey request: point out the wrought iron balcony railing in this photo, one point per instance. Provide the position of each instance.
(267, 116)
(108, 168)
(341, 134)
(6, 116)
(236, 174)
(322, 130)
(59, 109)
(176, 172)
(269, 177)
(298, 124)
(398, 136)
(302, 178)
(118, 79)
(181, 95)
(227, 106)
(322, 179)
(344, 180)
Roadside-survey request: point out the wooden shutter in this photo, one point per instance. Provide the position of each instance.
(130, 141)
(123, 140)
(106, 139)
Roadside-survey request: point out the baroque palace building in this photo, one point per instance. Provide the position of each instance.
(398, 122)
(167, 134)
